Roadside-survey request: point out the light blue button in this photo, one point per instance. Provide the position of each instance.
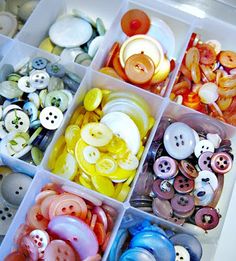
(137, 254)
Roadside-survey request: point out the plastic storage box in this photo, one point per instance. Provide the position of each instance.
(182, 24)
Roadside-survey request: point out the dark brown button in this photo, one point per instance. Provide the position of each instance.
(207, 218)
(163, 189)
(183, 185)
(187, 169)
(182, 203)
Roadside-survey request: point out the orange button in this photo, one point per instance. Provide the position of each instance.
(114, 49)
(139, 68)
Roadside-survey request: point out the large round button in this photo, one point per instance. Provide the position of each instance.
(51, 117)
(204, 161)
(165, 167)
(181, 253)
(207, 218)
(14, 187)
(187, 169)
(207, 177)
(163, 189)
(179, 140)
(17, 120)
(137, 253)
(221, 162)
(8, 24)
(139, 68)
(183, 185)
(182, 203)
(203, 146)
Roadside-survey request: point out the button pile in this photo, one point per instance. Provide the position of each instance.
(144, 58)
(13, 15)
(207, 80)
(104, 141)
(64, 223)
(183, 175)
(75, 37)
(33, 100)
(149, 242)
(13, 186)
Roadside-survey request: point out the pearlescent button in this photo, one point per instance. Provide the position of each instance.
(209, 177)
(24, 85)
(51, 117)
(39, 79)
(181, 253)
(203, 146)
(165, 167)
(221, 162)
(8, 24)
(203, 194)
(70, 32)
(137, 253)
(17, 120)
(204, 161)
(69, 54)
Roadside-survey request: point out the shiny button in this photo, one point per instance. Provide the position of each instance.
(8, 24)
(137, 253)
(181, 253)
(29, 248)
(203, 194)
(182, 203)
(204, 161)
(165, 167)
(207, 177)
(51, 117)
(183, 185)
(207, 218)
(179, 140)
(41, 240)
(24, 85)
(221, 162)
(39, 79)
(14, 187)
(39, 63)
(203, 146)
(163, 189)
(187, 169)
(17, 120)
(162, 208)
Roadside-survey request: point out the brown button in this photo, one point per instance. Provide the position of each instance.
(207, 218)
(187, 169)
(139, 68)
(183, 185)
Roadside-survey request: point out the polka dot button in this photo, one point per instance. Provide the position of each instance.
(165, 167)
(183, 185)
(179, 140)
(163, 189)
(51, 117)
(203, 146)
(39, 79)
(207, 218)
(182, 203)
(181, 253)
(204, 161)
(221, 162)
(16, 120)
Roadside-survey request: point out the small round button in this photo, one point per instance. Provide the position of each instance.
(203, 146)
(51, 117)
(221, 162)
(55, 70)
(181, 253)
(165, 167)
(24, 85)
(29, 248)
(183, 185)
(204, 161)
(203, 194)
(16, 120)
(207, 218)
(41, 240)
(39, 63)
(187, 169)
(182, 203)
(177, 220)
(39, 79)
(163, 189)
(179, 140)
(207, 177)
(139, 68)
(162, 208)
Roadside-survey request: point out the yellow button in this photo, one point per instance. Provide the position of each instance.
(116, 145)
(47, 45)
(123, 193)
(106, 165)
(121, 174)
(130, 179)
(103, 185)
(79, 110)
(92, 99)
(84, 182)
(72, 135)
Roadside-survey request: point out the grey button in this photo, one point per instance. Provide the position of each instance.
(6, 215)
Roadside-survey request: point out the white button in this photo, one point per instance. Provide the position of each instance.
(94, 45)
(51, 117)
(70, 32)
(207, 177)
(24, 85)
(91, 154)
(41, 240)
(3, 133)
(215, 139)
(69, 54)
(203, 146)
(179, 140)
(181, 254)
(8, 24)
(17, 120)
(39, 79)
(203, 193)
(9, 108)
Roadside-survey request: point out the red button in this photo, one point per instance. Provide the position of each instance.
(221, 162)
(207, 218)
(15, 256)
(187, 169)
(183, 185)
(163, 189)
(35, 218)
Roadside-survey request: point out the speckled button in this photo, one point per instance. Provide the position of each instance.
(14, 187)
(203, 146)
(51, 117)
(165, 167)
(187, 169)
(209, 177)
(163, 189)
(162, 208)
(16, 120)
(183, 185)
(221, 162)
(179, 140)
(204, 161)
(182, 203)
(207, 218)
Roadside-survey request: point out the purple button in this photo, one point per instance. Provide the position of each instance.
(221, 162)
(204, 161)
(183, 185)
(207, 218)
(162, 208)
(177, 220)
(182, 203)
(165, 167)
(145, 181)
(163, 189)
(184, 215)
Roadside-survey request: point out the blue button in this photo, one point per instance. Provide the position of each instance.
(137, 254)
(39, 63)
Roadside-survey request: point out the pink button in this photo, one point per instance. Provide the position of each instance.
(204, 161)
(15, 256)
(35, 218)
(41, 240)
(101, 215)
(59, 250)
(182, 203)
(29, 249)
(207, 218)
(163, 189)
(165, 167)
(221, 162)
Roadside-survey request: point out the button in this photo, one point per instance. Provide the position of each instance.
(29, 248)
(69, 54)
(95, 45)
(204, 161)
(182, 254)
(182, 203)
(207, 218)
(10, 90)
(187, 169)
(209, 177)
(165, 167)
(215, 139)
(162, 208)
(16, 255)
(92, 99)
(70, 31)
(154, 152)
(57, 250)
(221, 162)
(203, 146)
(51, 117)
(31, 110)
(163, 189)
(8, 24)
(80, 236)
(7, 214)
(183, 185)
(16, 120)
(35, 219)
(24, 85)
(139, 68)
(41, 240)
(55, 70)
(144, 183)
(58, 99)
(141, 201)
(39, 79)
(190, 243)
(14, 187)
(137, 253)
(177, 220)
(203, 194)
(26, 9)
(141, 44)
(179, 140)
(39, 63)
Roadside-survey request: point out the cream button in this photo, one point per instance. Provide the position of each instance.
(141, 44)
(8, 24)
(17, 120)
(69, 54)
(26, 9)
(51, 117)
